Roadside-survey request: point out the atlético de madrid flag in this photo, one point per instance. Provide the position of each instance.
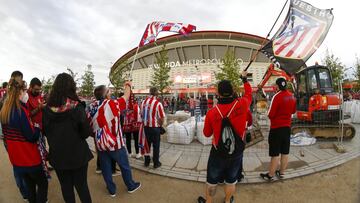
(153, 29)
(302, 32)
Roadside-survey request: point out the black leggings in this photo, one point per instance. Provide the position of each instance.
(74, 178)
(128, 141)
(39, 180)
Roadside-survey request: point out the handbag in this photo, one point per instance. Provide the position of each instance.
(162, 130)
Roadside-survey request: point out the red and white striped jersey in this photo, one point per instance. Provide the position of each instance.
(105, 122)
(151, 111)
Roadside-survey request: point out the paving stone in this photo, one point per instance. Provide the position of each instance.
(203, 172)
(255, 180)
(158, 172)
(321, 154)
(202, 179)
(309, 158)
(264, 159)
(181, 176)
(316, 159)
(251, 163)
(182, 170)
(202, 164)
(166, 167)
(170, 157)
(188, 160)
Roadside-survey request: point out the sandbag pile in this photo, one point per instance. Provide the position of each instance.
(355, 112)
(200, 135)
(347, 107)
(181, 133)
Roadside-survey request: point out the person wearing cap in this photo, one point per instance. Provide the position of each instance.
(282, 106)
(221, 168)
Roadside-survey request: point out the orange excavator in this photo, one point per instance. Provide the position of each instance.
(318, 105)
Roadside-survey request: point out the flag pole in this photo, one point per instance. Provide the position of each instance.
(132, 65)
(267, 36)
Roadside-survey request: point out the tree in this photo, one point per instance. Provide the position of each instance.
(161, 75)
(73, 74)
(230, 70)
(47, 84)
(88, 83)
(118, 78)
(357, 70)
(336, 68)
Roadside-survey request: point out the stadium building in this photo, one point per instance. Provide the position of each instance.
(194, 60)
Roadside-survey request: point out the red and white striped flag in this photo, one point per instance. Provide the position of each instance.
(143, 144)
(105, 122)
(153, 29)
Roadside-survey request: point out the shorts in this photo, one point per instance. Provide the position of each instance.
(223, 170)
(279, 141)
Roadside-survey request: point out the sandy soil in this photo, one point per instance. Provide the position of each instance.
(340, 184)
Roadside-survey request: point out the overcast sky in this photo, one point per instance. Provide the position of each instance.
(43, 38)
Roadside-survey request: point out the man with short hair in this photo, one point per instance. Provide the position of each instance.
(153, 115)
(282, 106)
(105, 122)
(224, 167)
(36, 102)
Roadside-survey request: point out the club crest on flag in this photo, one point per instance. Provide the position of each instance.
(299, 36)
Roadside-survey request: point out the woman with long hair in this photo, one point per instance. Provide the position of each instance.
(21, 139)
(66, 127)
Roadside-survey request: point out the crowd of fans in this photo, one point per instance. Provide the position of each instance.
(41, 135)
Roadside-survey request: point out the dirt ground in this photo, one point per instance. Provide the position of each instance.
(340, 184)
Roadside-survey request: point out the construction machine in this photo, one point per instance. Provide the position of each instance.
(317, 103)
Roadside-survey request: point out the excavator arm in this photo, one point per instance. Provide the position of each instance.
(272, 72)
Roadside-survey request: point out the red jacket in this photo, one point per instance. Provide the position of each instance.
(238, 117)
(283, 105)
(32, 104)
(20, 138)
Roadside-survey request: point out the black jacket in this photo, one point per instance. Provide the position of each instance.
(66, 133)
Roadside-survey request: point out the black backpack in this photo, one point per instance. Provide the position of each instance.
(229, 142)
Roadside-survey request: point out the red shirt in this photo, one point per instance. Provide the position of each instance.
(32, 104)
(283, 105)
(238, 117)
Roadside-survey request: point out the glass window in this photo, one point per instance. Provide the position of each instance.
(324, 78)
(302, 83)
(312, 79)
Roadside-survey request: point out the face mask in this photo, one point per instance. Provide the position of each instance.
(24, 98)
(35, 94)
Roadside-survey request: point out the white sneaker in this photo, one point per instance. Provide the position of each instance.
(112, 195)
(117, 173)
(138, 156)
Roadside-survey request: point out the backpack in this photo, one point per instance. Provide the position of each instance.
(229, 142)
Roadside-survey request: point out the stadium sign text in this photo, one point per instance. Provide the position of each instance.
(194, 62)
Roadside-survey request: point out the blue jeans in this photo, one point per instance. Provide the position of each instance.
(121, 157)
(20, 182)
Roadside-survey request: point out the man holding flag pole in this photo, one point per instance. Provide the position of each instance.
(152, 111)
